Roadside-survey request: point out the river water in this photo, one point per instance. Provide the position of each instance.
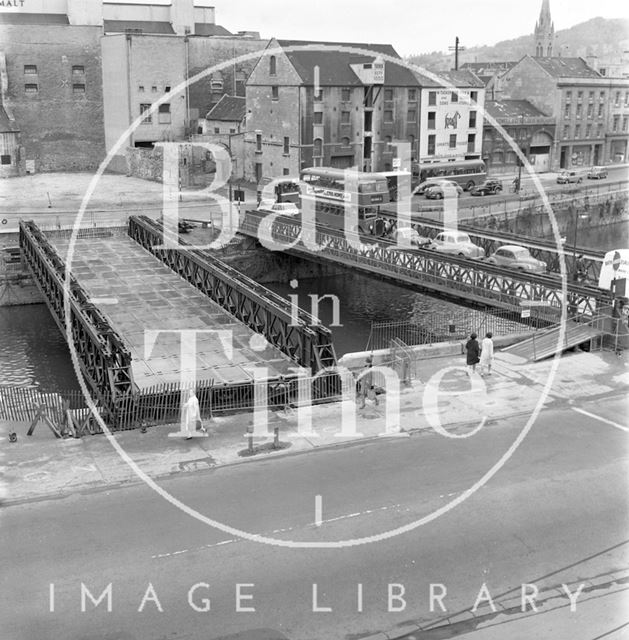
(33, 351)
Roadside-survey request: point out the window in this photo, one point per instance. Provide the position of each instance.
(568, 96)
(579, 96)
(577, 131)
(432, 98)
(616, 123)
(388, 95)
(286, 145)
(471, 139)
(601, 95)
(566, 131)
(474, 96)
(231, 130)
(346, 95)
(345, 141)
(454, 97)
(272, 66)
(603, 71)
(345, 117)
(317, 149)
(78, 88)
(591, 96)
(285, 172)
(411, 116)
(164, 114)
(566, 111)
(472, 124)
(144, 108)
(217, 130)
(432, 119)
(154, 89)
(275, 93)
(259, 142)
(387, 142)
(78, 70)
(579, 109)
(626, 98)
(588, 130)
(600, 110)
(318, 117)
(30, 69)
(318, 95)
(141, 89)
(31, 88)
(617, 99)
(625, 122)
(167, 89)
(5, 159)
(452, 143)
(388, 115)
(599, 131)
(412, 95)
(431, 144)
(590, 110)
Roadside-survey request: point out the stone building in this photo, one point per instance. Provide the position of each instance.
(588, 109)
(322, 104)
(528, 128)
(451, 117)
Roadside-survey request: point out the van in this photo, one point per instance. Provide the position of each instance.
(566, 177)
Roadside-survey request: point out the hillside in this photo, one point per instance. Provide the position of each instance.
(598, 36)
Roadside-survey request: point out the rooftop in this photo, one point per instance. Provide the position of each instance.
(33, 18)
(567, 67)
(229, 109)
(460, 79)
(145, 26)
(206, 29)
(499, 109)
(334, 64)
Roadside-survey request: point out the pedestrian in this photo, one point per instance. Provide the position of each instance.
(473, 351)
(365, 384)
(486, 354)
(580, 269)
(191, 416)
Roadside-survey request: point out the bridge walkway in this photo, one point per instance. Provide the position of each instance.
(136, 292)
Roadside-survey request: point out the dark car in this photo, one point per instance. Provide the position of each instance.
(489, 187)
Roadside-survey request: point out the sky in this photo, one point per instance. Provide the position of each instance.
(411, 26)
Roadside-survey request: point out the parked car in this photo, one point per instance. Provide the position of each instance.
(597, 173)
(566, 177)
(284, 208)
(516, 257)
(456, 243)
(415, 240)
(437, 192)
(489, 187)
(428, 184)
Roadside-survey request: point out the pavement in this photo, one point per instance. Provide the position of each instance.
(41, 466)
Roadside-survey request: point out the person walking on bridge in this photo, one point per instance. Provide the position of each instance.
(486, 354)
(473, 351)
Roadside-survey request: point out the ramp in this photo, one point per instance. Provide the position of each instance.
(544, 343)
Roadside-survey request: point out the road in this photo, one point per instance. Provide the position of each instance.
(556, 512)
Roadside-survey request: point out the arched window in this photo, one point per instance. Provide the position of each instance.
(272, 66)
(318, 147)
(345, 142)
(498, 157)
(511, 157)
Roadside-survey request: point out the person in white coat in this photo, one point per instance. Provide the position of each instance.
(486, 354)
(190, 415)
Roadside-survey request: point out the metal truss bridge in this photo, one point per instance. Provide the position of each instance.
(472, 281)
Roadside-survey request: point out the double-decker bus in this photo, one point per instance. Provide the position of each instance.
(397, 181)
(467, 173)
(330, 190)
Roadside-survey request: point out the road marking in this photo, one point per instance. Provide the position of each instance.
(593, 415)
(318, 510)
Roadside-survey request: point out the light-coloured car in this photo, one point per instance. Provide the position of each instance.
(289, 209)
(457, 243)
(597, 173)
(567, 177)
(437, 192)
(407, 236)
(421, 188)
(514, 256)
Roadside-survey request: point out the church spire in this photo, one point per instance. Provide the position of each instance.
(544, 32)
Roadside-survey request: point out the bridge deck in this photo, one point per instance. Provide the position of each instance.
(150, 296)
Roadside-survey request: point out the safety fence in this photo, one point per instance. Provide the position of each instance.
(67, 412)
(429, 328)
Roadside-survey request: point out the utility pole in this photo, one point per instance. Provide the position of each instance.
(456, 48)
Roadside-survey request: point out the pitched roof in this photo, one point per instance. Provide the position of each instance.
(228, 108)
(512, 108)
(567, 67)
(334, 65)
(145, 26)
(6, 125)
(461, 78)
(34, 18)
(206, 29)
